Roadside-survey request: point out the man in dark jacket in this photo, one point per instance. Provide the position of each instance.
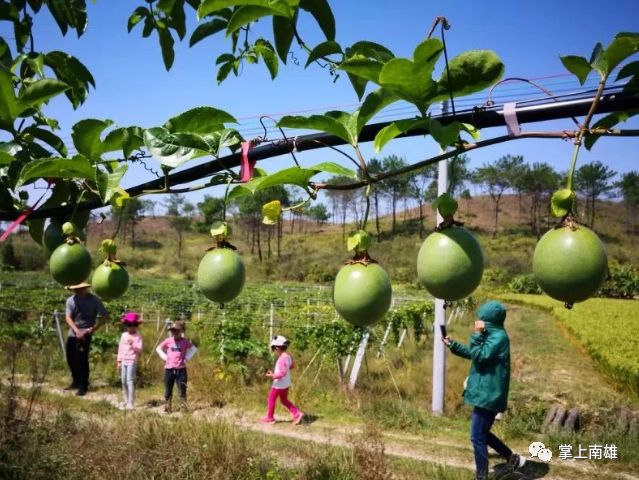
(487, 383)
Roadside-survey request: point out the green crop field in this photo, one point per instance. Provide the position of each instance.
(607, 328)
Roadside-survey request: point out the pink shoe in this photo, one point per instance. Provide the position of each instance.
(298, 418)
(267, 421)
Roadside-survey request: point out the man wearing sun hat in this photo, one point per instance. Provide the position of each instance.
(487, 384)
(82, 310)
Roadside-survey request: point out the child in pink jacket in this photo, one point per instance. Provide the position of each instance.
(281, 382)
(128, 355)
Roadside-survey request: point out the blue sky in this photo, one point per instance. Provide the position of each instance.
(133, 87)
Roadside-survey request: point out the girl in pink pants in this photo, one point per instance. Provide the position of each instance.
(281, 381)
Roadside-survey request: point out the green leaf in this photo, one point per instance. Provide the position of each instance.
(373, 104)
(598, 61)
(470, 72)
(166, 6)
(137, 16)
(5, 53)
(177, 19)
(86, 137)
(264, 49)
(207, 29)
(359, 241)
(42, 91)
(471, 130)
(412, 80)
(363, 61)
(220, 229)
(109, 182)
(223, 72)
(629, 70)
(396, 128)
(9, 106)
(113, 140)
(288, 176)
(5, 158)
(622, 47)
(445, 135)
(166, 43)
(334, 168)
(607, 123)
(247, 14)
(227, 138)
(77, 167)
(283, 34)
(323, 50)
(36, 229)
(173, 149)
(271, 212)
(48, 138)
(200, 120)
(71, 71)
(321, 11)
(244, 189)
(359, 84)
(323, 123)
(132, 139)
(578, 66)
(208, 7)
(120, 196)
(562, 202)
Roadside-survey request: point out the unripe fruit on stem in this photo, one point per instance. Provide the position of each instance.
(362, 293)
(450, 263)
(68, 228)
(70, 264)
(110, 281)
(52, 237)
(570, 265)
(221, 275)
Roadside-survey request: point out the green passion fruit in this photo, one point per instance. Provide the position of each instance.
(450, 263)
(53, 237)
(110, 280)
(362, 293)
(70, 264)
(569, 264)
(221, 275)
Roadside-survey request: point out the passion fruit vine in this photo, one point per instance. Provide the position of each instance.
(362, 291)
(570, 262)
(221, 273)
(450, 263)
(110, 280)
(70, 263)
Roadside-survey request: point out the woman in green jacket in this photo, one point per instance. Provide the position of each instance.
(488, 382)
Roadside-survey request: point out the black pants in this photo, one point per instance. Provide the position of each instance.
(78, 360)
(172, 376)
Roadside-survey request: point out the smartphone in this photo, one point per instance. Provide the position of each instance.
(442, 328)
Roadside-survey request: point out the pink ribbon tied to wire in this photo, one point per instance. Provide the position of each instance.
(23, 216)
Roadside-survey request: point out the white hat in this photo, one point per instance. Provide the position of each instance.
(279, 341)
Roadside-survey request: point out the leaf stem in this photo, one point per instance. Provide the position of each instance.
(368, 205)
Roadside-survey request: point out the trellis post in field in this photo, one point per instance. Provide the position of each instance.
(439, 349)
(359, 357)
(58, 329)
(270, 324)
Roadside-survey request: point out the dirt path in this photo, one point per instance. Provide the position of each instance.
(435, 449)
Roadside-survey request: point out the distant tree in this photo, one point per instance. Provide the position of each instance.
(250, 212)
(496, 179)
(148, 207)
(128, 216)
(628, 187)
(342, 199)
(593, 180)
(211, 209)
(176, 209)
(318, 213)
(395, 188)
(539, 181)
(458, 174)
(375, 167)
(418, 187)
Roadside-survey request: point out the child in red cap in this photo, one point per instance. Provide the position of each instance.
(128, 355)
